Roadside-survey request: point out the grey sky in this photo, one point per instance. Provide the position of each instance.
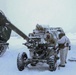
(25, 14)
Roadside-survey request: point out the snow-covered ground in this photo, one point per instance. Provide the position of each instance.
(8, 62)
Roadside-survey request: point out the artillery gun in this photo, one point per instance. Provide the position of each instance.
(41, 44)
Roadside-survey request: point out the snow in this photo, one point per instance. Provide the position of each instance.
(8, 62)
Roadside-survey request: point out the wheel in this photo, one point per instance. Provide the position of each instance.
(20, 61)
(3, 48)
(53, 65)
(52, 68)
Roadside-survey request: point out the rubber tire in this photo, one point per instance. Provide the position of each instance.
(52, 67)
(20, 61)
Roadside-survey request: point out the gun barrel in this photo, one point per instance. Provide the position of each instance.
(14, 28)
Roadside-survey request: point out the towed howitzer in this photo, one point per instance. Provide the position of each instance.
(41, 50)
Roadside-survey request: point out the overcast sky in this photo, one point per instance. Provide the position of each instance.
(25, 14)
